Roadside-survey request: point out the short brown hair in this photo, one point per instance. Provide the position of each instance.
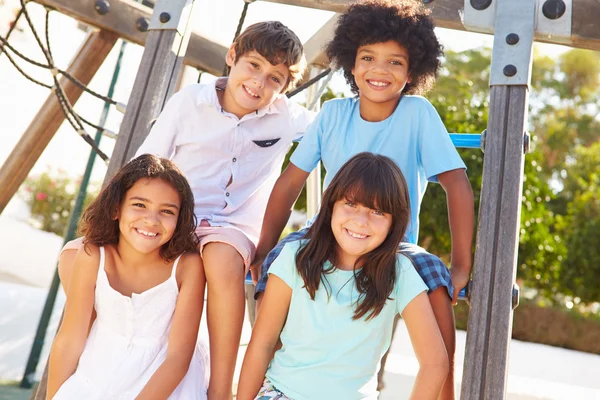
(98, 223)
(278, 44)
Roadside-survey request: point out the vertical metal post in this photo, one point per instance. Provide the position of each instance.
(40, 335)
(491, 314)
(313, 183)
(168, 37)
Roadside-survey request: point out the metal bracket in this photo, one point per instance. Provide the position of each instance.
(513, 43)
(171, 15)
(551, 18)
(552, 21)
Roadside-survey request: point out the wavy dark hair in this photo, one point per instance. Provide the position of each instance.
(99, 226)
(278, 44)
(376, 21)
(374, 181)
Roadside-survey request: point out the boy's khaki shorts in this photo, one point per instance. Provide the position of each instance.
(231, 236)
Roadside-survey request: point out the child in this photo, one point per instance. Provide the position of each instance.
(333, 297)
(388, 52)
(139, 273)
(230, 138)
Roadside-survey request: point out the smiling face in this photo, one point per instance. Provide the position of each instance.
(357, 230)
(253, 83)
(381, 71)
(148, 215)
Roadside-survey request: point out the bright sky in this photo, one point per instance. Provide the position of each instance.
(217, 20)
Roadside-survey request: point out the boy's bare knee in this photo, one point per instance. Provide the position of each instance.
(223, 264)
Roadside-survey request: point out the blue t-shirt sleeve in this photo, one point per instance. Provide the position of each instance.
(408, 283)
(437, 152)
(308, 153)
(284, 266)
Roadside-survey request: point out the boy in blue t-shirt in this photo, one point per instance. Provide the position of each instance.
(389, 54)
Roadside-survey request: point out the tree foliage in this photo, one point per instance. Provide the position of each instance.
(560, 219)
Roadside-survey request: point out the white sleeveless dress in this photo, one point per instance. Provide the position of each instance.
(127, 344)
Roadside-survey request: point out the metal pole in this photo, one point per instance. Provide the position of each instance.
(40, 334)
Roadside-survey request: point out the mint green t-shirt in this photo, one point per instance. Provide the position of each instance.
(326, 354)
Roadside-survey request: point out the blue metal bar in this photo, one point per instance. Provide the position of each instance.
(466, 140)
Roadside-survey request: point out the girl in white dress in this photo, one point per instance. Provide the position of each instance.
(139, 281)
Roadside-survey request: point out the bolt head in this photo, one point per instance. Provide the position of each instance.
(512, 38)
(102, 7)
(164, 17)
(142, 24)
(480, 5)
(554, 9)
(510, 70)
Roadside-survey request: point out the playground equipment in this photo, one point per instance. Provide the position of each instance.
(169, 43)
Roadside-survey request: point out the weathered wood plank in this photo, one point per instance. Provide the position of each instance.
(155, 82)
(49, 118)
(446, 13)
(490, 318)
(122, 17)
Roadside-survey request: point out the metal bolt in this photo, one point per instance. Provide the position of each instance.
(164, 17)
(554, 9)
(512, 38)
(482, 140)
(480, 4)
(510, 70)
(142, 24)
(102, 7)
(515, 296)
(526, 142)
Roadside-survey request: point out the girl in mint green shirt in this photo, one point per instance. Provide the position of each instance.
(332, 298)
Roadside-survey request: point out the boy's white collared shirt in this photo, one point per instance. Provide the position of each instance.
(231, 164)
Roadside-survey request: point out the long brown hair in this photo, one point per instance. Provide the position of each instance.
(98, 223)
(374, 181)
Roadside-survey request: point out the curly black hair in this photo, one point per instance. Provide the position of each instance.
(376, 21)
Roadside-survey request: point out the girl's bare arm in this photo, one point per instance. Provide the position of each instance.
(265, 335)
(429, 348)
(73, 332)
(184, 330)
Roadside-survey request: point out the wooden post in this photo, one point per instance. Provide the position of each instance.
(156, 79)
(490, 318)
(44, 125)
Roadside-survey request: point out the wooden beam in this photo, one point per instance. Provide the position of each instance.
(155, 82)
(447, 14)
(313, 48)
(122, 18)
(44, 125)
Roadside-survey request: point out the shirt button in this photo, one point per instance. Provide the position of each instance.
(234, 159)
(227, 194)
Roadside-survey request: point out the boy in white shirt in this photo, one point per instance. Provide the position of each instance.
(230, 138)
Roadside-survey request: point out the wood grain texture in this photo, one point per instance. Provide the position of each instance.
(49, 118)
(490, 318)
(154, 84)
(447, 14)
(121, 19)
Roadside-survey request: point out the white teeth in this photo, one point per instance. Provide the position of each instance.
(377, 83)
(146, 233)
(356, 235)
(250, 92)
